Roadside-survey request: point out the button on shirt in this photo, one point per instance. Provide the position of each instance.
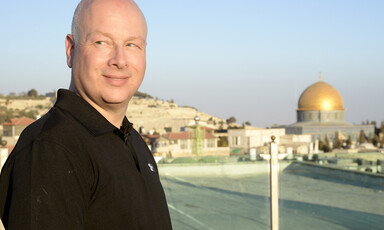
(72, 169)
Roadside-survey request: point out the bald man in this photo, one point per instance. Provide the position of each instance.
(82, 165)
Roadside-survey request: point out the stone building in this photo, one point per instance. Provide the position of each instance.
(321, 113)
(13, 128)
(242, 140)
(181, 144)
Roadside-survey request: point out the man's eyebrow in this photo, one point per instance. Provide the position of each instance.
(130, 38)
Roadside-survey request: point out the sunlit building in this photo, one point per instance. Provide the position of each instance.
(321, 113)
(242, 140)
(13, 128)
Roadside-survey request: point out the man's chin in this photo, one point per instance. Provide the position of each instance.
(117, 101)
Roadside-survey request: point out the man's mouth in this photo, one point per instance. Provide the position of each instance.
(116, 80)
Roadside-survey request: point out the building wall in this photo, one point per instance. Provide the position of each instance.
(8, 131)
(13, 130)
(320, 116)
(319, 132)
(302, 138)
(184, 147)
(248, 138)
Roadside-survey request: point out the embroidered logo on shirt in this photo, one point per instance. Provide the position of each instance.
(151, 167)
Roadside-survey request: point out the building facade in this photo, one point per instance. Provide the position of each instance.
(321, 113)
(242, 140)
(13, 128)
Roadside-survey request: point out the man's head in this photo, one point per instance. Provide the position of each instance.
(106, 52)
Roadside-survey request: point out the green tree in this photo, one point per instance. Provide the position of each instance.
(370, 138)
(337, 144)
(382, 142)
(349, 142)
(327, 146)
(231, 120)
(222, 142)
(376, 140)
(32, 93)
(362, 138)
(247, 123)
(221, 123)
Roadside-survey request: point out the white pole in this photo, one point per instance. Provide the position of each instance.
(274, 184)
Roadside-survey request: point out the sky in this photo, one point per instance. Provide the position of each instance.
(249, 59)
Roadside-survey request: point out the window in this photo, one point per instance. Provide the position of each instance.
(235, 140)
(183, 144)
(211, 143)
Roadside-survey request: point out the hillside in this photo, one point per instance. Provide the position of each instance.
(143, 111)
(155, 115)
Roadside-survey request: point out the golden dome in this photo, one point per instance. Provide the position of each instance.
(320, 96)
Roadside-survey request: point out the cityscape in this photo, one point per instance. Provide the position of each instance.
(218, 157)
(225, 83)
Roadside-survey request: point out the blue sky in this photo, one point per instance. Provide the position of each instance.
(247, 58)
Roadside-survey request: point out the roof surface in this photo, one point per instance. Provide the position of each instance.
(320, 96)
(22, 121)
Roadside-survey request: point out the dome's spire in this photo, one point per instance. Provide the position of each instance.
(319, 76)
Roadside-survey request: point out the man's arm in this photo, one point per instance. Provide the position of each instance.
(45, 189)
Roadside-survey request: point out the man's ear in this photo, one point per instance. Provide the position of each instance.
(69, 49)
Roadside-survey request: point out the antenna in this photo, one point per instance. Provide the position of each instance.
(198, 136)
(319, 76)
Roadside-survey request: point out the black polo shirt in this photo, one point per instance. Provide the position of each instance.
(72, 169)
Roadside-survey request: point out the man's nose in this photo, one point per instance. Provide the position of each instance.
(119, 57)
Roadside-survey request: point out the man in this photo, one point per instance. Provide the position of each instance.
(82, 165)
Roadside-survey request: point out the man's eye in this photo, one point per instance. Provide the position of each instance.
(100, 43)
(131, 45)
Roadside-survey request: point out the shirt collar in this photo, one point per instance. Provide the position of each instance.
(88, 116)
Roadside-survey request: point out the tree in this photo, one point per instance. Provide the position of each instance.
(382, 142)
(32, 93)
(327, 146)
(222, 142)
(221, 123)
(370, 138)
(337, 142)
(376, 140)
(247, 123)
(231, 120)
(142, 95)
(382, 127)
(362, 138)
(349, 142)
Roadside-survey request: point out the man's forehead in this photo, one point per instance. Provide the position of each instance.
(128, 37)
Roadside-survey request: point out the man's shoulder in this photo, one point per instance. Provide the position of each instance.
(55, 126)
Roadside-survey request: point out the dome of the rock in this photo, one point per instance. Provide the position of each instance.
(320, 96)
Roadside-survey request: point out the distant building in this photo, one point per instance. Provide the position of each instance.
(177, 144)
(4, 153)
(321, 114)
(242, 140)
(13, 128)
(298, 144)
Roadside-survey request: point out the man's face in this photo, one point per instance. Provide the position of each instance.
(108, 58)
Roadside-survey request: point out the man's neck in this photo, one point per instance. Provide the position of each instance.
(114, 113)
(114, 117)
